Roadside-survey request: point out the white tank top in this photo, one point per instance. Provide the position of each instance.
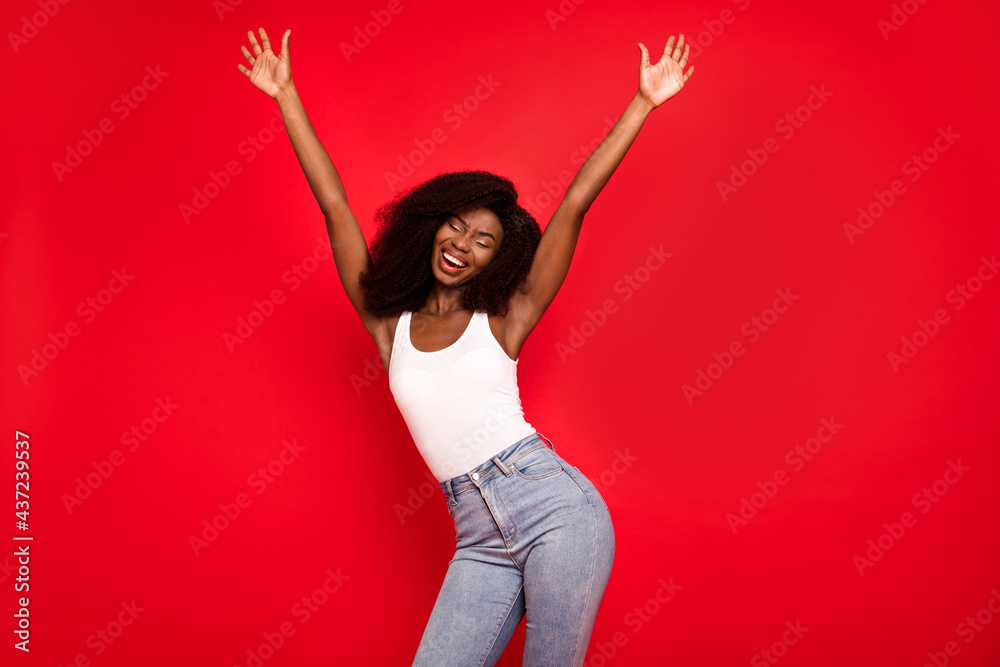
(461, 403)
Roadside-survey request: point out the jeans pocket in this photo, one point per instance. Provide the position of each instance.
(585, 486)
(537, 464)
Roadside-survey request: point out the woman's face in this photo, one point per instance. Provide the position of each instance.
(473, 236)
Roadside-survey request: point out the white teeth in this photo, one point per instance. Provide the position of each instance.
(454, 259)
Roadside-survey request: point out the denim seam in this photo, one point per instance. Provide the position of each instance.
(582, 490)
(578, 659)
(512, 525)
(532, 477)
(524, 453)
(488, 475)
(517, 472)
(491, 471)
(468, 486)
(496, 634)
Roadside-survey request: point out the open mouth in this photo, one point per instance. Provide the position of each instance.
(450, 263)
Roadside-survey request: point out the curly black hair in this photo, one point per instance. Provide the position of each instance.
(401, 278)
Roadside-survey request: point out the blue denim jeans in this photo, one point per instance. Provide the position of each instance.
(534, 538)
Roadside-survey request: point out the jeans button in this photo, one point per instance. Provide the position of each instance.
(475, 475)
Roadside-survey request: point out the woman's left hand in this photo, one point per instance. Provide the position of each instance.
(659, 82)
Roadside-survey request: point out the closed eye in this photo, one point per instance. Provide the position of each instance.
(458, 230)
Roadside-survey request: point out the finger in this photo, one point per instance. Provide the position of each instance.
(684, 58)
(284, 46)
(266, 42)
(644, 61)
(677, 50)
(250, 58)
(667, 49)
(253, 40)
(689, 72)
(243, 69)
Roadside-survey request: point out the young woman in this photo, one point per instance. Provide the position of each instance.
(458, 276)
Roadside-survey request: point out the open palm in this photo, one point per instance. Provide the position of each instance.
(270, 72)
(659, 82)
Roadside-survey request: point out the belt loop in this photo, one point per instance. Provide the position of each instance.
(451, 494)
(548, 441)
(502, 466)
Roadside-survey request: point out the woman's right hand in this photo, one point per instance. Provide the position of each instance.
(270, 73)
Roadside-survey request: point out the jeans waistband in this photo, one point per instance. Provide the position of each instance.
(496, 465)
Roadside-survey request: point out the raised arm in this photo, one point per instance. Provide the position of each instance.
(657, 84)
(272, 74)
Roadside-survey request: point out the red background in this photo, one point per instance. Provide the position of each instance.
(336, 506)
